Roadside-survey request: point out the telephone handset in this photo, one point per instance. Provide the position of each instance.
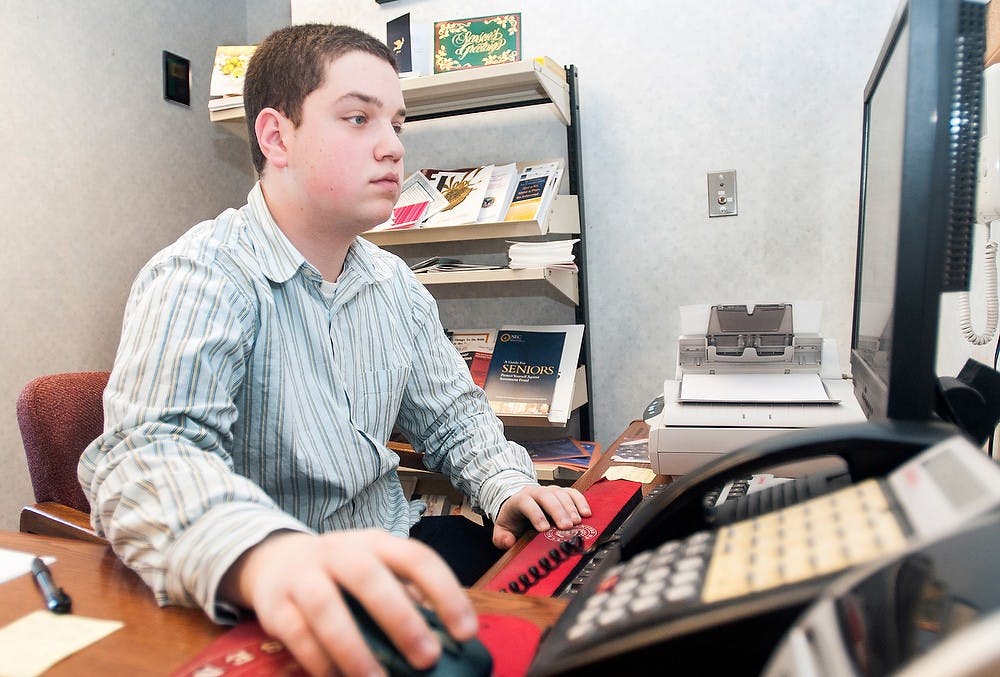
(671, 585)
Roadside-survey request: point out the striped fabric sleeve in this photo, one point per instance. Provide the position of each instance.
(160, 481)
(448, 417)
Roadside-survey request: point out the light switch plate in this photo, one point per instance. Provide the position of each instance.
(722, 193)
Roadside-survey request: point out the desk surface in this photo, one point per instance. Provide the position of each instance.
(158, 640)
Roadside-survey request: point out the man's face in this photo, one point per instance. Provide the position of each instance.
(346, 151)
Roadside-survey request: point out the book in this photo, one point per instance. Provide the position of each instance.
(537, 185)
(397, 37)
(410, 44)
(499, 192)
(418, 199)
(562, 396)
(244, 650)
(563, 451)
(523, 371)
(464, 189)
(476, 348)
(230, 69)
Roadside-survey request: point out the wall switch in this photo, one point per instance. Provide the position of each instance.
(722, 193)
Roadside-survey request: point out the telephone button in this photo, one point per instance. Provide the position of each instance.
(656, 575)
(579, 630)
(646, 603)
(685, 577)
(610, 616)
(649, 589)
(690, 564)
(680, 593)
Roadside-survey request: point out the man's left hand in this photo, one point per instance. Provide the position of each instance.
(539, 507)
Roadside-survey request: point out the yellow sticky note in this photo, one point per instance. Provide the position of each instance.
(32, 644)
(630, 472)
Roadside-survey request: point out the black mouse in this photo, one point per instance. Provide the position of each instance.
(458, 659)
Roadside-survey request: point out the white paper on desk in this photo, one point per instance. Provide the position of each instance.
(14, 563)
(34, 643)
(754, 389)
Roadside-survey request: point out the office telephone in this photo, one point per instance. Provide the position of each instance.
(677, 585)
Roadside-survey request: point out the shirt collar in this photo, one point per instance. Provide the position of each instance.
(280, 260)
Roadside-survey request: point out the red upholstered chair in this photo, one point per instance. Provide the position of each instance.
(59, 415)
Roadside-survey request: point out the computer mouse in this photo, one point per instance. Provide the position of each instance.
(458, 659)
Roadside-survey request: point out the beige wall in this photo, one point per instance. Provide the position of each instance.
(100, 172)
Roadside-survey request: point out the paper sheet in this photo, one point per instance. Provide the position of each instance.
(754, 388)
(631, 473)
(14, 563)
(34, 643)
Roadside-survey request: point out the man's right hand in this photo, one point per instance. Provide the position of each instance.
(293, 582)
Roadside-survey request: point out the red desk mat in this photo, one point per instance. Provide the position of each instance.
(607, 498)
(511, 641)
(247, 651)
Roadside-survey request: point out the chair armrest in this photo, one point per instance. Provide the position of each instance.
(56, 519)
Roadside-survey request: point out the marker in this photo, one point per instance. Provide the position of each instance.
(56, 600)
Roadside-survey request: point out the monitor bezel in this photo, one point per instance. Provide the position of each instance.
(910, 391)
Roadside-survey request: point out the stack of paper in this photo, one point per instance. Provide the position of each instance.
(551, 254)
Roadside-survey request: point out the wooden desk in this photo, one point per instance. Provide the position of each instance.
(154, 640)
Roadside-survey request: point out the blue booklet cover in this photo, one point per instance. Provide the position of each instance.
(523, 372)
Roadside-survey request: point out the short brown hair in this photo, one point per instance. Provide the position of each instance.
(290, 63)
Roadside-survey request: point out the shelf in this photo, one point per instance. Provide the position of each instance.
(579, 399)
(564, 219)
(565, 281)
(505, 85)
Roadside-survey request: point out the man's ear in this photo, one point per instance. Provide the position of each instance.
(270, 127)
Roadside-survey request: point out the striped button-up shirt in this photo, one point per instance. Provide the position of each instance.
(244, 400)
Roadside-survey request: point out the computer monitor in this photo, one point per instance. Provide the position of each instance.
(918, 184)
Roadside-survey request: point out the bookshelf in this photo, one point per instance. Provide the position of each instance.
(535, 82)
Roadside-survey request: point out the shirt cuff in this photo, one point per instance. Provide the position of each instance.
(206, 550)
(500, 487)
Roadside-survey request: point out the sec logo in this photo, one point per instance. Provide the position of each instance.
(584, 531)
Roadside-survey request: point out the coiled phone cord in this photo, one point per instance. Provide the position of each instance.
(992, 304)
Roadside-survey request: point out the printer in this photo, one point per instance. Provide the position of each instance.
(750, 373)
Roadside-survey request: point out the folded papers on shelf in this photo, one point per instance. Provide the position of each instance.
(440, 264)
(551, 254)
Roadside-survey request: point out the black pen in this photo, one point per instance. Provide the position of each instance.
(55, 599)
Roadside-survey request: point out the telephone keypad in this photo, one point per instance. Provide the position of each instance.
(810, 539)
(650, 583)
(797, 543)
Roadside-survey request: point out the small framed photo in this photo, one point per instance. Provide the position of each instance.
(176, 78)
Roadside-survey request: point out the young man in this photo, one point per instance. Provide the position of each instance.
(265, 358)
